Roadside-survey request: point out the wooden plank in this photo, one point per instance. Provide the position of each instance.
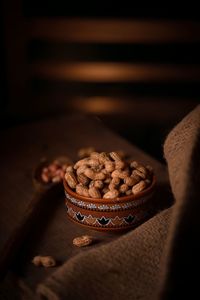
(114, 72)
(112, 30)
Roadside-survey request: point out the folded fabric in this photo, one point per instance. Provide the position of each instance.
(151, 261)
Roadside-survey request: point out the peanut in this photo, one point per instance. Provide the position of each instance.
(142, 170)
(69, 169)
(119, 164)
(123, 174)
(104, 171)
(81, 169)
(115, 156)
(140, 186)
(56, 179)
(109, 166)
(94, 175)
(115, 181)
(89, 173)
(93, 162)
(134, 164)
(111, 186)
(81, 163)
(71, 179)
(123, 188)
(128, 193)
(135, 176)
(97, 168)
(45, 261)
(82, 190)
(115, 173)
(83, 241)
(130, 181)
(138, 173)
(83, 179)
(99, 176)
(111, 194)
(98, 184)
(94, 192)
(91, 184)
(95, 155)
(103, 157)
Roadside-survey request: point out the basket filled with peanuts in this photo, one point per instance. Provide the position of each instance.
(106, 191)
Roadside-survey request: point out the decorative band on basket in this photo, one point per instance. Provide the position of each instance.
(105, 221)
(106, 207)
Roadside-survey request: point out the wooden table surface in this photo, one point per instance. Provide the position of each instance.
(20, 151)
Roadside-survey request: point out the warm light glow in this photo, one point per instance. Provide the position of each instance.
(114, 72)
(101, 105)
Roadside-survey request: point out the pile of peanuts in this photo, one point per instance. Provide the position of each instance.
(107, 175)
(54, 172)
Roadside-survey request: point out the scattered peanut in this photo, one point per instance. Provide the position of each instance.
(108, 176)
(83, 241)
(45, 261)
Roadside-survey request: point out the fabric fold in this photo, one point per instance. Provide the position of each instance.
(150, 261)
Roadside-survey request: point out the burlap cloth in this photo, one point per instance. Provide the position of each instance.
(156, 260)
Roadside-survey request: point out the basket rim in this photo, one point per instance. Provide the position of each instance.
(124, 199)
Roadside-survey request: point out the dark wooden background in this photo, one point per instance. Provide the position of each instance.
(137, 69)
